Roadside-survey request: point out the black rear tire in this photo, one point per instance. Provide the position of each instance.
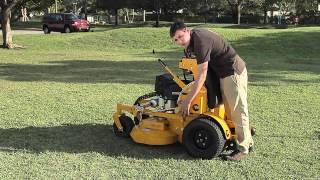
(127, 125)
(87, 30)
(46, 30)
(67, 29)
(203, 139)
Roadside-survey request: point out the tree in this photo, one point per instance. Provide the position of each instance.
(34, 5)
(80, 5)
(205, 8)
(113, 5)
(6, 6)
(268, 5)
(237, 5)
(235, 9)
(285, 6)
(308, 9)
(88, 6)
(155, 6)
(157, 9)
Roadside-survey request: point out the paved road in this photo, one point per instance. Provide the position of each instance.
(27, 31)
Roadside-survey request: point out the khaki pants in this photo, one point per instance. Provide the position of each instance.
(234, 94)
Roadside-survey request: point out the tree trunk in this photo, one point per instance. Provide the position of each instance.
(158, 18)
(236, 10)
(126, 17)
(157, 8)
(132, 16)
(265, 16)
(56, 6)
(234, 14)
(239, 13)
(271, 17)
(116, 17)
(86, 10)
(144, 15)
(6, 28)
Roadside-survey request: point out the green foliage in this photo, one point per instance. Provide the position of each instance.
(205, 6)
(112, 4)
(307, 7)
(59, 94)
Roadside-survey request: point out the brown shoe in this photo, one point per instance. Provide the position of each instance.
(236, 156)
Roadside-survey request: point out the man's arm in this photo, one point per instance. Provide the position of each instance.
(199, 81)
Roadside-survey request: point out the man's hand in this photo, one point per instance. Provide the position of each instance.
(185, 107)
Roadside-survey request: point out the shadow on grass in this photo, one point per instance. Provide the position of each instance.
(83, 138)
(148, 24)
(257, 79)
(279, 57)
(130, 72)
(259, 26)
(317, 134)
(89, 71)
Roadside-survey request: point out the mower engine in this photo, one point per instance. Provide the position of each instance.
(167, 92)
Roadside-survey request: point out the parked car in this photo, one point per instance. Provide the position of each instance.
(64, 22)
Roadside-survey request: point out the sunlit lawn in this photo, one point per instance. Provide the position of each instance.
(58, 95)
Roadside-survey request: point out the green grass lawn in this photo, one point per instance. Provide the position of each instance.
(58, 96)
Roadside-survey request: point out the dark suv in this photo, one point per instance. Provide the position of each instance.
(64, 22)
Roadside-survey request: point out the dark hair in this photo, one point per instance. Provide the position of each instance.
(178, 25)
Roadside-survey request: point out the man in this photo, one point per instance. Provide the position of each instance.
(212, 52)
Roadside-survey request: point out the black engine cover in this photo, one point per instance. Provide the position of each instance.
(165, 85)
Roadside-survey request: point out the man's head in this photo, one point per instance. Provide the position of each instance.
(180, 34)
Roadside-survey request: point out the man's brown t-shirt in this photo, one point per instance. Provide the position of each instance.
(221, 57)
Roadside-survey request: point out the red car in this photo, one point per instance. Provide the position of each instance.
(64, 22)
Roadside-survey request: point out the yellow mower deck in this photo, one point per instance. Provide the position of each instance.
(166, 128)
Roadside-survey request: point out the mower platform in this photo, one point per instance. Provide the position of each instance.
(153, 131)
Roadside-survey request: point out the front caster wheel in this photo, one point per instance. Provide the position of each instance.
(127, 125)
(253, 131)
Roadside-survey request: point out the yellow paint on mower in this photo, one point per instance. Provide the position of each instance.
(154, 126)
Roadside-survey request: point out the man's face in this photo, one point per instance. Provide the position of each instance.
(182, 37)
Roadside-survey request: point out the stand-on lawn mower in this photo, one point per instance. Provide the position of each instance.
(157, 120)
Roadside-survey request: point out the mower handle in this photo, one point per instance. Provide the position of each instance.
(162, 63)
(175, 77)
